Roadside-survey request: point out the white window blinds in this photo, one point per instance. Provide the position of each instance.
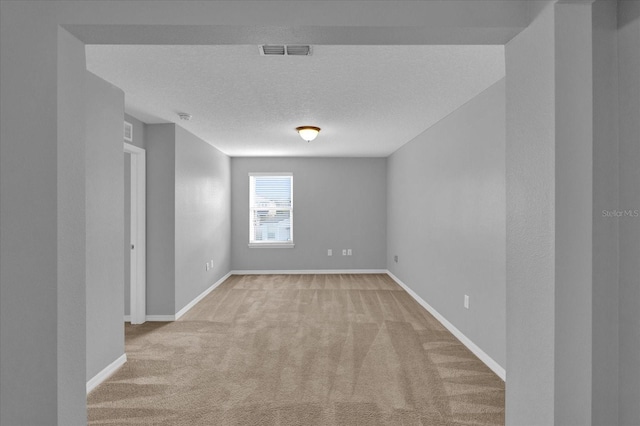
(270, 209)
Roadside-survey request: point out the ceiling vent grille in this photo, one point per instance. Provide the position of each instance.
(298, 50)
(283, 50)
(272, 50)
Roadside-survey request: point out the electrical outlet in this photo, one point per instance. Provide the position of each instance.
(466, 301)
(349, 252)
(329, 252)
(395, 258)
(344, 252)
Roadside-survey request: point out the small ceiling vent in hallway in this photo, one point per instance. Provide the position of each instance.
(283, 50)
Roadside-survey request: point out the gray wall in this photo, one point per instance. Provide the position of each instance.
(139, 130)
(446, 218)
(629, 227)
(160, 155)
(530, 60)
(605, 254)
(574, 157)
(42, 221)
(586, 183)
(28, 222)
(104, 224)
(566, 328)
(138, 140)
(202, 216)
(188, 217)
(338, 203)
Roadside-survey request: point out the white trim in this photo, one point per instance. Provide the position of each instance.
(270, 173)
(306, 271)
(132, 149)
(106, 372)
(127, 318)
(161, 318)
(271, 245)
(138, 286)
(490, 362)
(202, 295)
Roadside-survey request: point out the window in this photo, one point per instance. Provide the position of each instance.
(270, 210)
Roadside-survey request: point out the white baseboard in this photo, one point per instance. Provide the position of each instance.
(160, 318)
(490, 362)
(306, 271)
(202, 295)
(106, 372)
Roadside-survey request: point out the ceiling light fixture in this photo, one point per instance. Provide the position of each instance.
(308, 133)
(184, 116)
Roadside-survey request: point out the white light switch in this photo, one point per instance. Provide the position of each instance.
(466, 301)
(329, 252)
(349, 252)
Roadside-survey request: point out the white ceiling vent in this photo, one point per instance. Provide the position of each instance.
(283, 50)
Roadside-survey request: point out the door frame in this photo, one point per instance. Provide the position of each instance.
(138, 252)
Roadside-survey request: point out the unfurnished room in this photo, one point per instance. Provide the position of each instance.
(320, 212)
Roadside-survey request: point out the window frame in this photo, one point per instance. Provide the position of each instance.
(252, 208)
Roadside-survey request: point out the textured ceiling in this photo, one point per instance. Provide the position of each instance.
(368, 100)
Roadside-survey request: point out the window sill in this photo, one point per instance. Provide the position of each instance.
(271, 245)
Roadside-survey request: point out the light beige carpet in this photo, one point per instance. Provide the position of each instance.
(300, 350)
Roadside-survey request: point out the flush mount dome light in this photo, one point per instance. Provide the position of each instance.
(308, 133)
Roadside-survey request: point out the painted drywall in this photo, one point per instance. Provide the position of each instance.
(42, 221)
(160, 155)
(28, 223)
(586, 184)
(139, 129)
(629, 226)
(446, 218)
(70, 216)
(573, 204)
(563, 325)
(338, 203)
(381, 22)
(202, 216)
(605, 255)
(104, 224)
(188, 217)
(138, 140)
(530, 171)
